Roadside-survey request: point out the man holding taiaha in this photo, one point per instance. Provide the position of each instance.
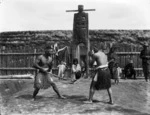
(43, 78)
(102, 78)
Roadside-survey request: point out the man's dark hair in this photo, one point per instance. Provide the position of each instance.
(112, 49)
(100, 46)
(95, 49)
(116, 63)
(90, 53)
(75, 60)
(48, 47)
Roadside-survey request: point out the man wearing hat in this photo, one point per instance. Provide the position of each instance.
(145, 56)
(129, 70)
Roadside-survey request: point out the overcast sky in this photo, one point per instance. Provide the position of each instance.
(22, 15)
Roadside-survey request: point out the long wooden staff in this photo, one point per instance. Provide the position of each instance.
(55, 75)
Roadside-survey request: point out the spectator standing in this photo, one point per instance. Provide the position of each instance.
(111, 60)
(145, 56)
(61, 69)
(117, 73)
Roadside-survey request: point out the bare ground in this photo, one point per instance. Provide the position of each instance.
(131, 97)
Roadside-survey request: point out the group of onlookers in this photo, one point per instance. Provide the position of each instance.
(128, 72)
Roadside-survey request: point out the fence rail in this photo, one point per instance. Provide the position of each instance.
(22, 69)
(128, 53)
(20, 54)
(119, 53)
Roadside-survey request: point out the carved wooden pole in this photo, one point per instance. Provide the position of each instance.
(81, 31)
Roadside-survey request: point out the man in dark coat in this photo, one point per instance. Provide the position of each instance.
(145, 56)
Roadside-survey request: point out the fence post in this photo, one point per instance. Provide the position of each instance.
(0, 60)
(3, 64)
(34, 58)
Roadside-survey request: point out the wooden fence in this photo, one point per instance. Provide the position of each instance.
(19, 60)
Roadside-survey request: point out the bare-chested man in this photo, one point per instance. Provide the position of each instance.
(43, 79)
(102, 78)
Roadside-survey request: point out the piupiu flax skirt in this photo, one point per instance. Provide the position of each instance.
(102, 79)
(43, 80)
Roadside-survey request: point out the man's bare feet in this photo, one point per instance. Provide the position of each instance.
(72, 82)
(88, 102)
(110, 102)
(33, 99)
(62, 97)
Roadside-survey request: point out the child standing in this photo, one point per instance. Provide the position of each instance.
(61, 69)
(117, 73)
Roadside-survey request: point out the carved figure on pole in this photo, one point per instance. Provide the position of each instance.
(81, 31)
(80, 27)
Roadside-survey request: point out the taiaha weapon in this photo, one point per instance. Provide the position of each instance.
(54, 75)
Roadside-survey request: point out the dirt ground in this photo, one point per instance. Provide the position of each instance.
(131, 97)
